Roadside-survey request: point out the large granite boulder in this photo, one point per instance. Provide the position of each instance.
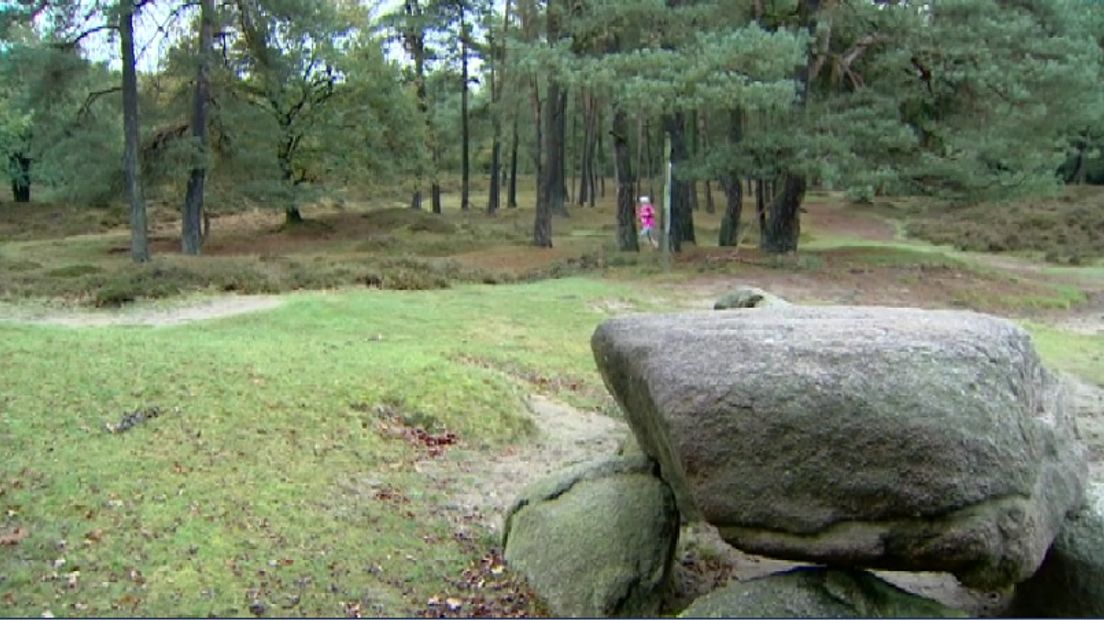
(888, 438)
(816, 593)
(596, 540)
(1070, 583)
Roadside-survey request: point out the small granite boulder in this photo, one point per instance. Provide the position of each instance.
(597, 539)
(816, 593)
(749, 297)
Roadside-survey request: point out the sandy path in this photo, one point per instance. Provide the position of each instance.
(214, 308)
(485, 483)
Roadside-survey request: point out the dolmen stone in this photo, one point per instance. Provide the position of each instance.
(597, 539)
(816, 593)
(749, 297)
(1070, 582)
(894, 438)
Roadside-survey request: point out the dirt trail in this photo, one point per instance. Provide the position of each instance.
(485, 483)
(215, 308)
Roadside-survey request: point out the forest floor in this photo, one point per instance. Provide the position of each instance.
(351, 451)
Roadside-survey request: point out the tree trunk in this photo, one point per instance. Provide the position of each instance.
(558, 196)
(414, 36)
(435, 190)
(552, 181)
(292, 215)
(734, 205)
(592, 152)
(640, 141)
(682, 217)
(191, 233)
(734, 199)
(498, 79)
(550, 185)
(465, 168)
(511, 200)
(20, 177)
(626, 184)
(578, 153)
(597, 170)
(139, 235)
(783, 223)
(703, 132)
(761, 211)
(542, 226)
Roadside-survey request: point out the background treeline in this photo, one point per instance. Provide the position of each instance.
(281, 102)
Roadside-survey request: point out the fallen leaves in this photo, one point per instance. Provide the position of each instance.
(393, 425)
(94, 536)
(13, 537)
(486, 589)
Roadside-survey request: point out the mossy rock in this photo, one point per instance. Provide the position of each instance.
(596, 540)
(749, 297)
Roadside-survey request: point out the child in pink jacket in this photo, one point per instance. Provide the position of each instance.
(646, 213)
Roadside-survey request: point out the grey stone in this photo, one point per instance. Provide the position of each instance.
(816, 593)
(596, 540)
(1070, 583)
(891, 438)
(749, 297)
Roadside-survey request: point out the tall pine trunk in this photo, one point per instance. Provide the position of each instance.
(292, 215)
(414, 39)
(783, 226)
(682, 217)
(542, 221)
(597, 174)
(783, 222)
(703, 132)
(20, 177)
(733, 188)
(558, 194)
(626, 184)
(498, 79)
(139, 234)
(191, 234)
(511, 199)
(761, 210)
(465, 166)
(640, 141)
(550, 188)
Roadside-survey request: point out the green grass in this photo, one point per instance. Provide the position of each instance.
(255, 481)
(1080, 354)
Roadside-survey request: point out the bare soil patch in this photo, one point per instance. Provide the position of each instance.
(844, 221)
(848, 277)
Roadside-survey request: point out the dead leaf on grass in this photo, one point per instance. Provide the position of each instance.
(13, 537)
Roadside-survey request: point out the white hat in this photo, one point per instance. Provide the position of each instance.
(645, 199)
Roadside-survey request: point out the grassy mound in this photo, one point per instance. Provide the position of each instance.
(268, 464)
